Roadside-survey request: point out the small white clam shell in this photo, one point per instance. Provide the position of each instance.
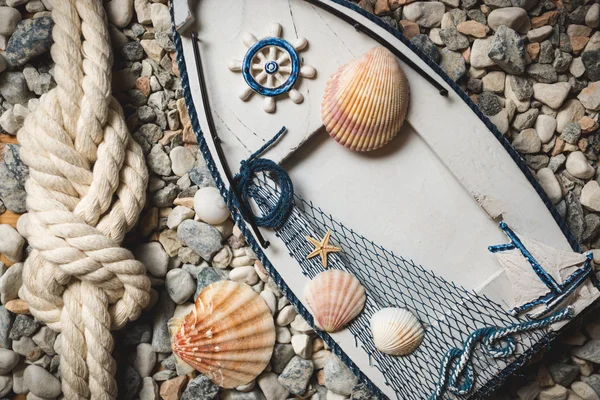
(209, 206)
(396, 331)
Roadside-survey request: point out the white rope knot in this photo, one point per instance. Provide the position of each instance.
(86, 188)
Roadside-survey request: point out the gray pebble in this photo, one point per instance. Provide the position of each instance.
(128, 382)
(8, 360)
(200, 388)
(13, 87)
(12, 193)
(149, 389)
(136, 333)
(11, 282)
(164, 197)
(338, 377)
(206, 276)
(45, 339)
(489, 103)
(32, 38)
(204, 239)
(508, 51)
(164, 375)
(282, 354)
(154, 258)
(24, 326)
(563, 374)
(41, 382)
(6, 384)
(453, 64)
(589, 351)
(571, 133)
(543, 73)
(271, 388)
(6, 321)
(427, 46)
(296, 375)
(179, 285)
(145, 359)
(163, 311)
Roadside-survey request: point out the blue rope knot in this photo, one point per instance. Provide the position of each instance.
(246, 187)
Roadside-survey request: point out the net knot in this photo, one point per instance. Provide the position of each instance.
(245, 186)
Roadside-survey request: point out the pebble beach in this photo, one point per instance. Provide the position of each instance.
(532, 67)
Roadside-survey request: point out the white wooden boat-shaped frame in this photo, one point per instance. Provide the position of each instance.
(418, 221)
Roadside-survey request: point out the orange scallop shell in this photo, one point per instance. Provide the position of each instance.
(365, 101)
(229, 335)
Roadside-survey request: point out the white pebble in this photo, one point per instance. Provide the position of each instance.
(209, 206)
(9, 19)
(590, 196)
(270, 299)
(161, 18)
(8, 360)
(545, 126)
(182, 160)
(223, 258)
(302, 346)
(10, 283)
(283, 335)
(119, 12)
(149, 390)
(550, 184)
(154, 257)
(178, 215)
(578, 166)
(286, 315)
(11, 243)
(41, 382)
(299, 324)
(180, 285)
(145, 359)
(246, 275)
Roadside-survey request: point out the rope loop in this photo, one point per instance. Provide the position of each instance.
(245, 186)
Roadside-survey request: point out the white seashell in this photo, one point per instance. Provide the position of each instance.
(335, 298)
(209, 206)
(396, 331)
(228, 336)
(365, 101)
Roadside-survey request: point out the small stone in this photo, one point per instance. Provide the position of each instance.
(594, 382)
(207, 276)
(473, 29)
(158, 161)
(514, 18)
(41, 382)
(539, 34)
(526, 119)
(132, 51)
(571, 111)
(178, 215)
(286, 315)
(200, 388)
(45, 339)
(154, 258)
(527, 141)
(590, 96)
(583, 390)
(144, 360)
(171, 389)
(426, 14)
(550, 184)
(592, 17)
(494, 82)
(544, 73)
(11, 245)
(338, 378)
(571, 133)
(271, 388)
(164, 197)
(136, 333)
(245, 275)
(453, 64)
(149, 389)
(23, 325)
(590, 196)
(302, 345)
(179, 285)
(563, 374)
(128, 382)
(9, 19)
(182, 160)
(479, 53)
(591, 62)
(545, 126)
(453, 39)
(553, 94)
(489, 103)
(204, 239)
(32, 38)
(164, 375)
(501, 121)
(555, 392)
(427, 46)
(578, 166)
(8, 360)
(162, 312)
(452, 18)
(296, 375)
(119, 12)
(13, 87)
(282, 354)
(587, 124)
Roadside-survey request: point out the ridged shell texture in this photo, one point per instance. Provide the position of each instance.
(396, 331)
(365, 101)
(229, 335)
(335, 298)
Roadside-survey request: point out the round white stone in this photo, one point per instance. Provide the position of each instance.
(550, 184)
(182, 160)
(578, 166)
(209, 206)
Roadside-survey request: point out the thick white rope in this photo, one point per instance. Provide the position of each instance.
(86, 188)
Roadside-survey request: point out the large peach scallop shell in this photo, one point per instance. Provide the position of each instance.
(365, 101)
(229, 335)
(335, 298)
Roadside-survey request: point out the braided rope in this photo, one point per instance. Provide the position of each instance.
(496, 342)
(86, 189)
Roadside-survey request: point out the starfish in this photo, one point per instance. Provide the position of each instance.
(322, 248)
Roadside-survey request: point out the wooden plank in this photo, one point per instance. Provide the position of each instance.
(10, 218)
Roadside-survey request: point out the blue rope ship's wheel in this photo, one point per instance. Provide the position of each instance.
(271, 67)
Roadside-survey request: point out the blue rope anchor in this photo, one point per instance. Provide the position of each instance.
(246, 188)
(496, 342)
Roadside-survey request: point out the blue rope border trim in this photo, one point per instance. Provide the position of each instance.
(238, 219)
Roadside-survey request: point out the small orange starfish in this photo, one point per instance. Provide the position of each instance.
(322, 248)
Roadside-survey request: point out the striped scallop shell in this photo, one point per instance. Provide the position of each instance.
(365, 101)
(396, 331)
(335, 298)
(229, 335)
